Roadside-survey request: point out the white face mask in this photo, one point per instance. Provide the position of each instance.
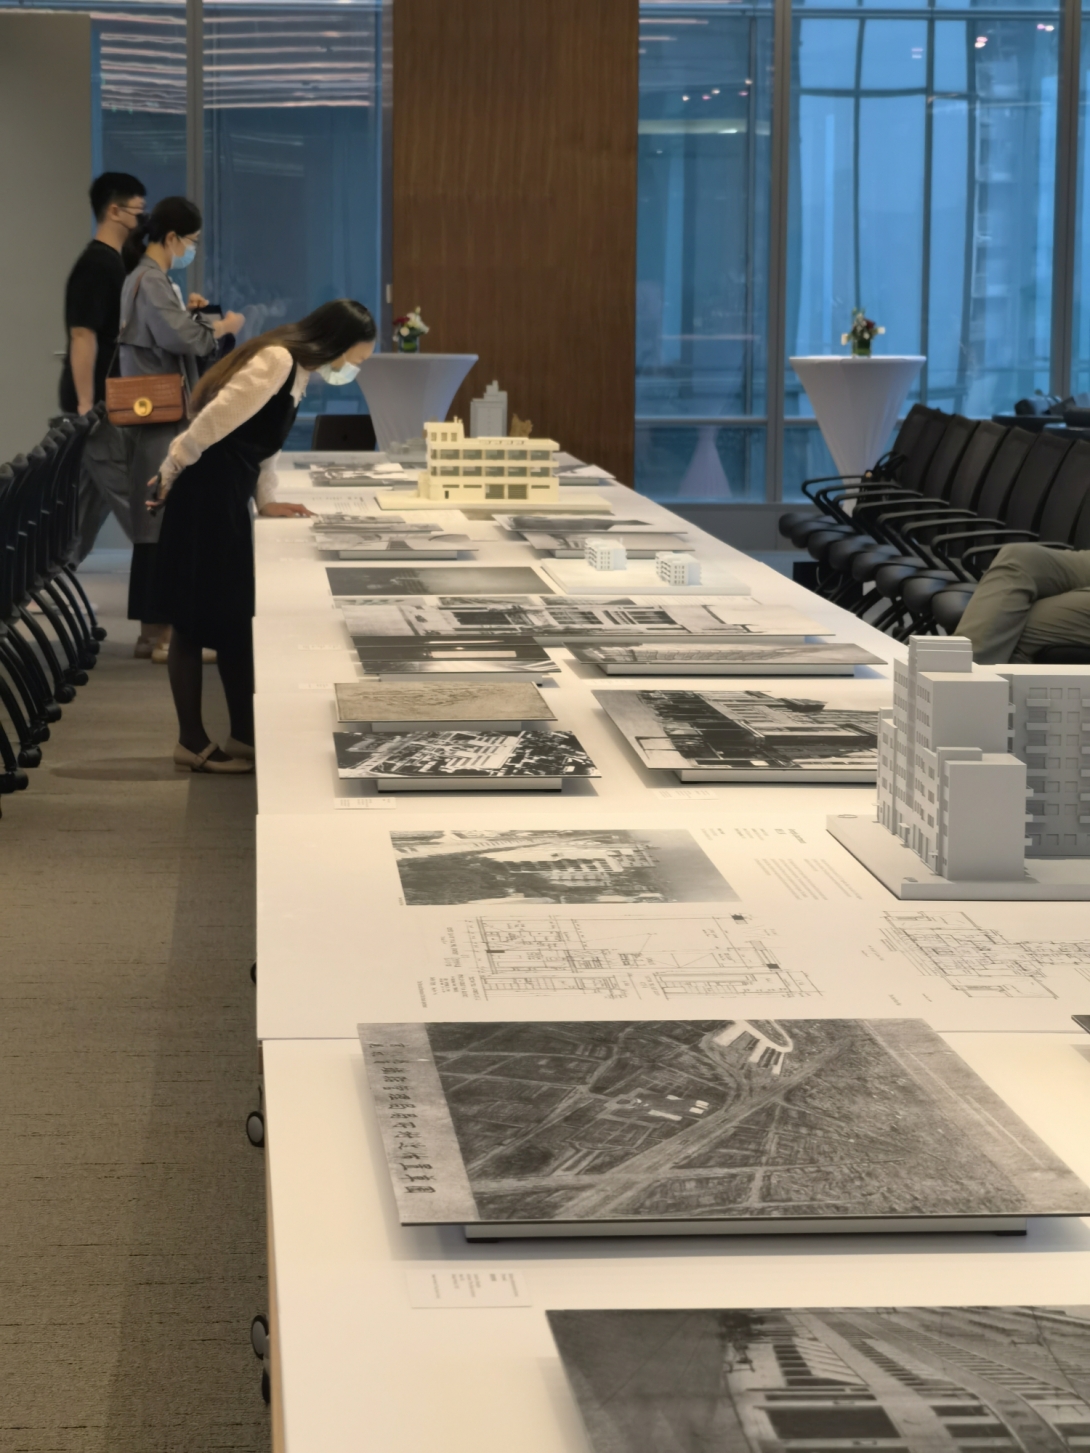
(345, 374)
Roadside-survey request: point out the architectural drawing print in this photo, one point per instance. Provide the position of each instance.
(657, 958)
(556, 866)
(891, 1379)
(559, 618)
(980, 962)
(621, 1120)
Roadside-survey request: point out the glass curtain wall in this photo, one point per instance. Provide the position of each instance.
(138, 94)
(702, 250)
(922, 166)
(293, 166)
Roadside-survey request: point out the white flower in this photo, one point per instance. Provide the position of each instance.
(845, 337)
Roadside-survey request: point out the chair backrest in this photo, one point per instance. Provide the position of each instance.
(914, 470)
(1067, 496)
(343, 431)
(1002, 472)
(1027, 498)
(911, 428)
(939, 478)
(975, 463)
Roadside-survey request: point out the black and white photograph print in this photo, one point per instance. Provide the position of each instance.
(480, 656)
(710, 1120)
(716, 734)
(424, 580)
(556, 866)
(903, 1379)
(461, 754)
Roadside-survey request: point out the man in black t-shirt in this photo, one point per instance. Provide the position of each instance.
(92, 298)
(92, 315)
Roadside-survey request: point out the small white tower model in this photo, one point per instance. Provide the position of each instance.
(490, 468)
(947, 784)
(601, 553)
(488, 415)
(674, 567)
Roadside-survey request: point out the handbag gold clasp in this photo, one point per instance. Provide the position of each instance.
(142, 408)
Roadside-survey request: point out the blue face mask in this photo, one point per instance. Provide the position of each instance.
(186, 258)
(345, 374)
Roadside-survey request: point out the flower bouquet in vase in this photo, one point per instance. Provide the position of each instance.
(861, 334)
(409, 330)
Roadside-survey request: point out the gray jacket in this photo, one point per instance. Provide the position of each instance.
(158, 334)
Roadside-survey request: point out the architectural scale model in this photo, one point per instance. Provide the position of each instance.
(488, 415)
(493, 467)
(954, 757)
(602, 553)
(948, 786)
(674, 567)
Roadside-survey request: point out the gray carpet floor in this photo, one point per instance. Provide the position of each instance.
(132, 1251)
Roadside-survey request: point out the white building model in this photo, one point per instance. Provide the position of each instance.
(474, 471)
(965, 747)
(601, 553)
(947, 784)
(675, 567)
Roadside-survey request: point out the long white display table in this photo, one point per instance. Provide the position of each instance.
(355, 1363)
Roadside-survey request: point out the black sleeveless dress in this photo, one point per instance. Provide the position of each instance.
(204, 570)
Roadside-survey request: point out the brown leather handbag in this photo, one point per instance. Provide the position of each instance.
(150, 398)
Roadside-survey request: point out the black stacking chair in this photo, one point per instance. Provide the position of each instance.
(1022, 512)
(1064, 525)
(995, 491)
(43, 654)
(965, 490)
(818, 536)
(881, 516)
(910, 450)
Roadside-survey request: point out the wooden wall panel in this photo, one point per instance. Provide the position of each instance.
(514, 205)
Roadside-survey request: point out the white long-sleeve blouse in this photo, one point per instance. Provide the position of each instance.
(239, 399)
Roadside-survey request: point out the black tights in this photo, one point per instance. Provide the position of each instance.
(235, 658)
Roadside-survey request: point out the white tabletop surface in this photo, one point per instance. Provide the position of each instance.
(357, 1365)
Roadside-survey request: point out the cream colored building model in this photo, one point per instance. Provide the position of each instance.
(477, 471)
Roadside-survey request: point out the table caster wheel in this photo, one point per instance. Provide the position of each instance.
(253, 973)
(259, 1336)
(266, 1387)
(255, 1128)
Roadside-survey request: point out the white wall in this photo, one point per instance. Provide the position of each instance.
(45, 217)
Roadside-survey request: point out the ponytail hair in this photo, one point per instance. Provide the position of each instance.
(172, 214)
(322, 336)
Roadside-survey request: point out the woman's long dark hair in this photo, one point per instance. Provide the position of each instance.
(172, 214)
(327, 333)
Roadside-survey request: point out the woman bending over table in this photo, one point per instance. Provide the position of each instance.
(243, 409)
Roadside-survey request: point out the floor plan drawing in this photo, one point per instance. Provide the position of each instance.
(981, 963)
(618, 958)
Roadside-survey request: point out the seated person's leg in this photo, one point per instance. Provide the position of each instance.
(1018, 578)
(1061, 620)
